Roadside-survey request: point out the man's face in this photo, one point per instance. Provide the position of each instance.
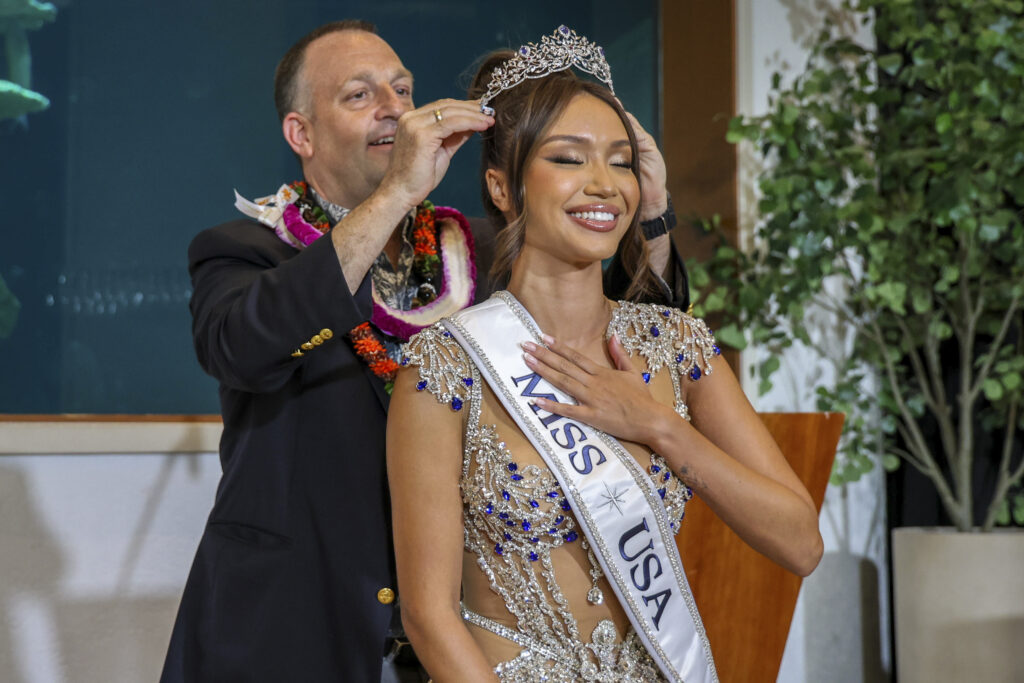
(357, 89)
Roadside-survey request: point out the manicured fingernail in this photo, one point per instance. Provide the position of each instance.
(548, 339)
(530, 360)
(529, 346)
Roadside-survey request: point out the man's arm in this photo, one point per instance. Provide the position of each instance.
(424, 146)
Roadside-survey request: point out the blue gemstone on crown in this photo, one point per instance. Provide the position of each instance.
(552, 531)
(405, 360)
(534, 504)
(468, 381)
(566, 506)
(512, 467)
(695, 373)
(534, 540)
(533, 556)
(680, 358)
(718, 351)
(553, 494)
(517, 477)
(661, 492)
(647, 377)
(503, 515)
(456, 403)
(504, 494)
(666, 313)
(571, 536)
(447, 333)
(559, 519)
(421, 385)
(497, 549)
(667, 476)
(655, 469)
(563, 29)
(489, 509)
(510, 523)
(508, 536)
(524, 50)
(654, 331)
(526, 525)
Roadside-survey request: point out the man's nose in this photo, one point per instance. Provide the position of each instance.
(390, 105)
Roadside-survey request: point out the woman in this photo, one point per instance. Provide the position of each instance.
(554, 536)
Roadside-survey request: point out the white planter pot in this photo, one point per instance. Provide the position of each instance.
(959, 605)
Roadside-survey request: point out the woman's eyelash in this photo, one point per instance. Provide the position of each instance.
(564, 160)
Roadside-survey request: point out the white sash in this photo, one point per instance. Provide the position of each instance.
(614, 500)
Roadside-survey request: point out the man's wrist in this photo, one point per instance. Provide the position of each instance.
(662, 224)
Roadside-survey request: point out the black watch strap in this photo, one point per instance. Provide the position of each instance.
(656, 227)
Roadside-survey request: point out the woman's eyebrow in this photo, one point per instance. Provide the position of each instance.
(580, 140)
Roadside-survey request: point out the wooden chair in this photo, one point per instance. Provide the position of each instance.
(745, 599)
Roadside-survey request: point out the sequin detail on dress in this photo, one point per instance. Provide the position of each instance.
(515, 515)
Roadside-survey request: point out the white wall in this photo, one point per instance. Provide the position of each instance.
(840, 631)
(94, 552)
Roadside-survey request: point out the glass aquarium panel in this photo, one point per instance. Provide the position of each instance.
(124, 128)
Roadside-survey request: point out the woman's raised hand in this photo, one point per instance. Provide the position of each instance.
(614, 400)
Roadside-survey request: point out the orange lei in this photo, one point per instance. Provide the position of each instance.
(373, 353)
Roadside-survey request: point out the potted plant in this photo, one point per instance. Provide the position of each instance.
(892, 198)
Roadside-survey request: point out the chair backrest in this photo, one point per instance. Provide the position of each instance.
(745, 599)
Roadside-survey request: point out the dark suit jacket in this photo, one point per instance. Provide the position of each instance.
(285, 583)
(284, 586)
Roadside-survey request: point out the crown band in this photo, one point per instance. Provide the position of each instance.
(557, 52)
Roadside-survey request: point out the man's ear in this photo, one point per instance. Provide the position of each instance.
(298, 134)
(498, 188)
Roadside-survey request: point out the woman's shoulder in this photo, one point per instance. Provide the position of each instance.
(445, 369)
(665, 337)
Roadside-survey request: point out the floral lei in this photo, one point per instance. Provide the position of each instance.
(298, 220)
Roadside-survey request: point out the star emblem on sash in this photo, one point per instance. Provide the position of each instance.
(613, 497)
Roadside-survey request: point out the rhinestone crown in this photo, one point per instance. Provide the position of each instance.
(557, 52)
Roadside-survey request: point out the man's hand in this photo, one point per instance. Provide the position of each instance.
(653, 175)
(426, 140)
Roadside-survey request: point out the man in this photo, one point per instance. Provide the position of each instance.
(294, 576)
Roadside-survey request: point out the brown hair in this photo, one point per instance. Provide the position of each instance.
(287, 77)
(522, 115)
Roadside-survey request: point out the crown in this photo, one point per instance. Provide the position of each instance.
(557, 52)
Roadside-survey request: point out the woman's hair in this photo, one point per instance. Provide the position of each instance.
(522, 115)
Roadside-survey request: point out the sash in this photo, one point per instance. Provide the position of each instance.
(615, 502)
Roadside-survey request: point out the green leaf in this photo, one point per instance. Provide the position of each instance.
(943, 123)
(890, 462)
(1012, 380)
(732, 336)
(891, 63)
(993, 389)
(1003, 513)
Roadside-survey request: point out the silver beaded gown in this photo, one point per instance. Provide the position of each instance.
(534, 596)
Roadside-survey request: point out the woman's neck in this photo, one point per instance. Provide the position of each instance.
(567, 302)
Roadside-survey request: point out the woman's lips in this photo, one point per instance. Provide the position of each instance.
(599, 220)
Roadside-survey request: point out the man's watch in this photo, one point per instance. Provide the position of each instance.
(656, 227)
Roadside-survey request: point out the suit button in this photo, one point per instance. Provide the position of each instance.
(317, 339)
(385, 596)
(306, 346)
(297, 354)
(326, 333)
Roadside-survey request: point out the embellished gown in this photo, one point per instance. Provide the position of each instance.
(534, 596)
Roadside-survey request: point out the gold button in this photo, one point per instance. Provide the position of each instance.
(306, 346)
(385, 596)
(297, 354)
(326, 333)
(317, 339)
